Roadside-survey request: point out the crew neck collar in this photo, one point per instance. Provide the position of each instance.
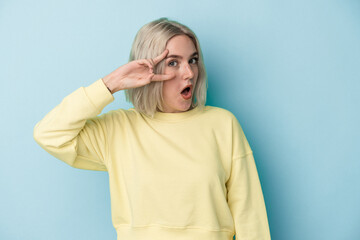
(175, 117)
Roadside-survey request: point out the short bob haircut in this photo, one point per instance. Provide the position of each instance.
(150, 41)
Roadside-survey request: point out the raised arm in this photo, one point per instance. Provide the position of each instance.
(72, 131)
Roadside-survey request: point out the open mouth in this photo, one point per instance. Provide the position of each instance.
(186, 93)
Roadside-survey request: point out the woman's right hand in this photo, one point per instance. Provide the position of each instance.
(135, 74)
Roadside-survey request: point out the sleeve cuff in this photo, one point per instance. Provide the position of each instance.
(98, 94)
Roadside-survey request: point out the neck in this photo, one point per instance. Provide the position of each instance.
(191, 107)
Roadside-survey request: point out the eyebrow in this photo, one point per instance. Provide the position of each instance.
(177, 56)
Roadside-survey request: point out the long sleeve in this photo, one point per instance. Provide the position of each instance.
(245, 197)
(72, 131)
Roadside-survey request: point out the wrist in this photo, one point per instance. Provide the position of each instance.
(105, 81)
(109, 89)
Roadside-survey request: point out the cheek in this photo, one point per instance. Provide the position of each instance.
(196, 73)
(169, 87)
(171, 71)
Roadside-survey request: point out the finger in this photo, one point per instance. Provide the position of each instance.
(161, 56)
(151, 61)
(162, 77)
(146, 62)
(148, 79)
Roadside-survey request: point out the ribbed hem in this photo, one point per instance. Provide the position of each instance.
(171, 233)
(98, 94)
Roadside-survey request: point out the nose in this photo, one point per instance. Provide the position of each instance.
(188, 72)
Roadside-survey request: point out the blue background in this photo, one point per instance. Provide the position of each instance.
(288, 70)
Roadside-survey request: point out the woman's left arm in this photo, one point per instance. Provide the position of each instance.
(244, 193)
(246, 201)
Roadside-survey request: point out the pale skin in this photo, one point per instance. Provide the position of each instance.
(180, 70)
(135, 74)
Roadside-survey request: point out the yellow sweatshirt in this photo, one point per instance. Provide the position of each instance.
(178, 176)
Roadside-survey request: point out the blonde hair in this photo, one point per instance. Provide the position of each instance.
(150, 41)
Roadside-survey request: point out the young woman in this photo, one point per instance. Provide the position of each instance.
(177, 169)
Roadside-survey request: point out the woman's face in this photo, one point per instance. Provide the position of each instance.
(182, 61)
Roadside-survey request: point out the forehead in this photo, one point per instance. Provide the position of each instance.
(181, 45)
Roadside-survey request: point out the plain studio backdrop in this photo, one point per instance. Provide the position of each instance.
(288, 70)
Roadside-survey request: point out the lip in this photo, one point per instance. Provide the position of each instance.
(189, 85)
(190, 92)
(187, 97)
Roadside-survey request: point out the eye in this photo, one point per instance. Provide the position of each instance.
(175, 63)
(171, 63)
(195, 60)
